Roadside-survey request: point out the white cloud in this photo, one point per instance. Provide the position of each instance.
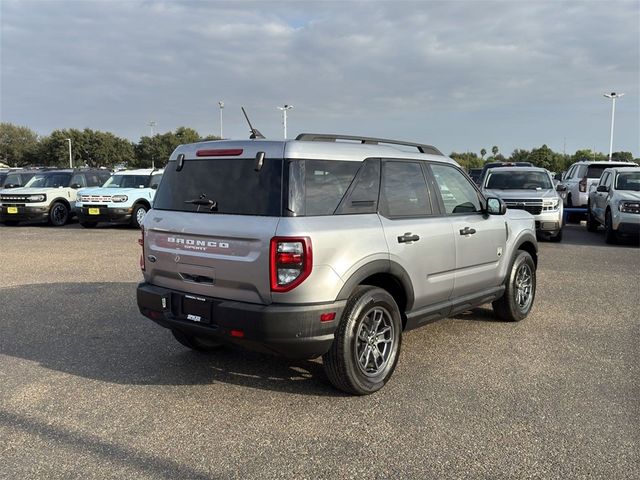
(465, 73)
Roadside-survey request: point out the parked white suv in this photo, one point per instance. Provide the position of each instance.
(125, 198)
(580, 177)
(615, 203)
(49, 196)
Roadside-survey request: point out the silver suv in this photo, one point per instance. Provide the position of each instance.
(615, 203)
(530, 189)
(581, 176)
(327, 246)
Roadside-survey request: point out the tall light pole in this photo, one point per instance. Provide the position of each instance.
(284, 117)
(70, 159)
(612, 96)
(152, 124)
(221, 105)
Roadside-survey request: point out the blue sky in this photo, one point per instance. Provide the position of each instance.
(461, 75)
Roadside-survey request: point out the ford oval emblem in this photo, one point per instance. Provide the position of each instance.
(177, 259)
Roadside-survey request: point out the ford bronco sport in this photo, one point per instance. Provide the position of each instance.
(327, 246)
(125, 197)
(49, 196)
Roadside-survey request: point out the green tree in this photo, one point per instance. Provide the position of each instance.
(467, 160)
(494, 150)
(483, 152)
(622, 157)
(542, 157)
(18, 145)
(156, 150)
(519, 155)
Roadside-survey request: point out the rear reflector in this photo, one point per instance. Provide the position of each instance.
(228, 152)
(237, 333)
(327, 317)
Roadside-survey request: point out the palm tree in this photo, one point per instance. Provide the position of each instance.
(494, 150)
(483, 152)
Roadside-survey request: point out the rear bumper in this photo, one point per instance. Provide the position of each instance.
(24, 214)
(293, 331)
(112, 215)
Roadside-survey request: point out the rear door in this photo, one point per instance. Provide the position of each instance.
(479, 239)
(418, 239)
(210, 228)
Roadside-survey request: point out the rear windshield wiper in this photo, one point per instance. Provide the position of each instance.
(212, 204)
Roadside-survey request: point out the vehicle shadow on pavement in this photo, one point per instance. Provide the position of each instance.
(479, 314)
(577, 234)
(94, 330)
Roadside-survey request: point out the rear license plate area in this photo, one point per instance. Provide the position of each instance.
(196, 309)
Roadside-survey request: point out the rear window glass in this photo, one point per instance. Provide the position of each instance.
(230, 186)
(595, 171)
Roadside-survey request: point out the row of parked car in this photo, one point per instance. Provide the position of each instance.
(94, 195)
(606, 193)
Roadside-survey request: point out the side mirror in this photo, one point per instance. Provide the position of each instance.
(76, 186)
(602, 188)
(561, 188)
(154, 187)
(495, 206)
(12, 185)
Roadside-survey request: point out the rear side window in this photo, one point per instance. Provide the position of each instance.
(219, 186)
(404, 190)
(316, 187)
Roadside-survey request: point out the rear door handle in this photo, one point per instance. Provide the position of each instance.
(408, 237)
(467, 231)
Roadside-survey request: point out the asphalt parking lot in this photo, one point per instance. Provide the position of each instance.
(91, 389)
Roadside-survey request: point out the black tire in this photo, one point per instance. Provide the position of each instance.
(10, 223)
(89, 224)
(58, 214)
(610, 235)
(137, 215)
(351, 364)
(592, 223)
(512, 307)
(557, 237)
(569, 201)
(196, 343)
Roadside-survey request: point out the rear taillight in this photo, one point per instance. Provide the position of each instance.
(290, 262)
(141, 243)
(582, 185)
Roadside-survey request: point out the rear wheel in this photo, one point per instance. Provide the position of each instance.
(518, 297)
(89, 224)
(610, 235)
(139, 211)
(366, 347)
(196, 343)
(59, 214)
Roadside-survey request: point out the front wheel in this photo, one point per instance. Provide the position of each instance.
(518, 297)
(610, 235)
(557, 237)
(592, 223)
(196, 343)
(59, 214)
(139, 211)
(366, 346)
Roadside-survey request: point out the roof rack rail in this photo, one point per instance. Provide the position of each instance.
(324, 137)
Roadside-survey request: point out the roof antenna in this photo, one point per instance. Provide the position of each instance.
(254, 132)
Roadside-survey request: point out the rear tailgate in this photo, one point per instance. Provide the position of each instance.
(221, 256)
